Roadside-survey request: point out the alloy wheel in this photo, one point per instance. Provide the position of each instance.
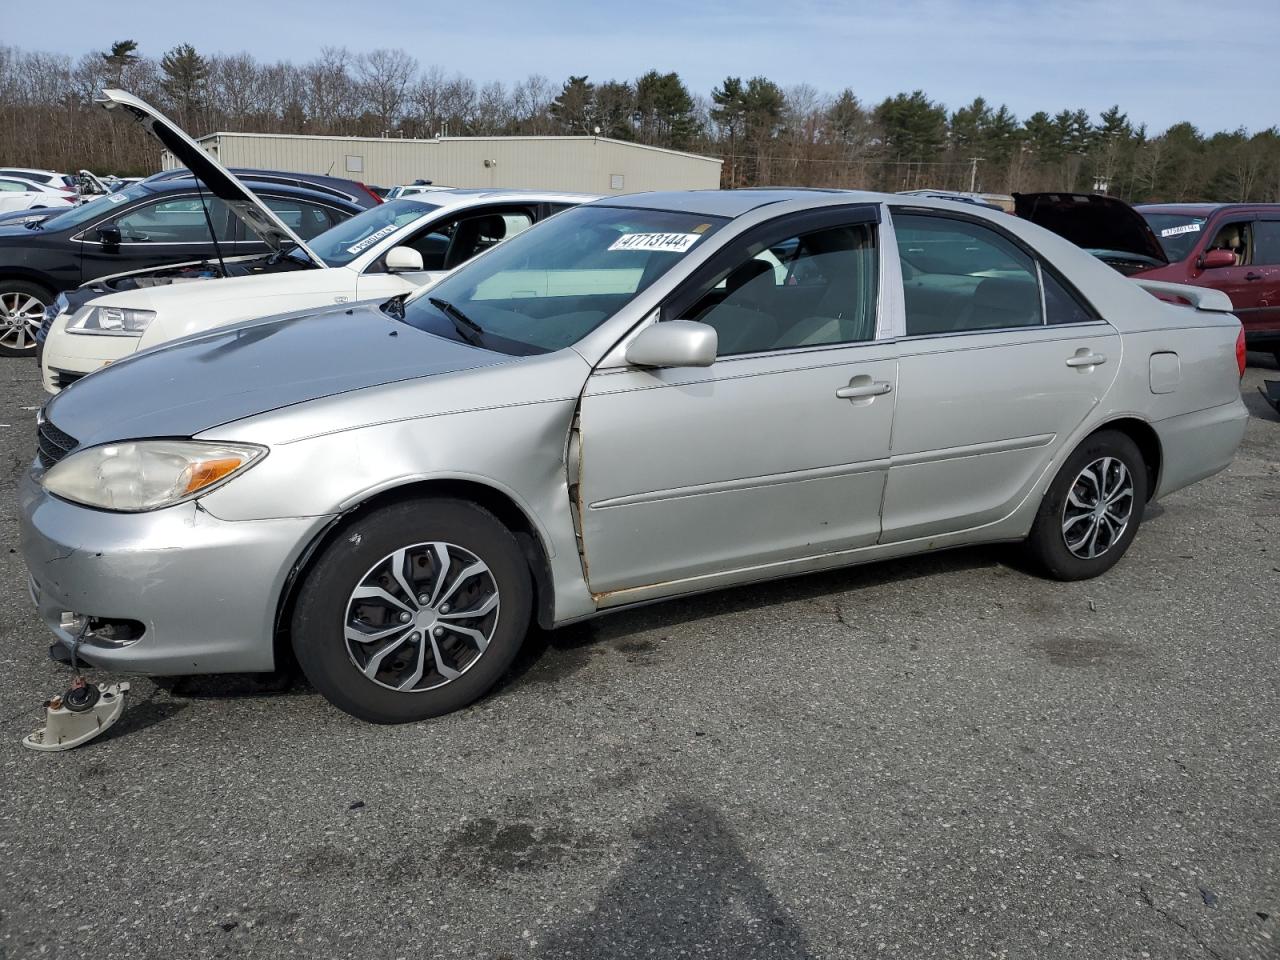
(421, 617)
(1098, 508)
(21, 315)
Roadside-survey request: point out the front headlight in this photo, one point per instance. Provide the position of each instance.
(110, 321)
(143, 475)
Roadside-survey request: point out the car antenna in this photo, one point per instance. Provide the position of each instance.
(213, 235)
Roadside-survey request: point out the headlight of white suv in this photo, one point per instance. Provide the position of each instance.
(143, 475)
(110, 321)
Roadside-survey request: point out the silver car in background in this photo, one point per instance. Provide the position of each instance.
(643, 397)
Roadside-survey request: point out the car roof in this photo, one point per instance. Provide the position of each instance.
(460, 195)
(176, 184)
(1202, 209)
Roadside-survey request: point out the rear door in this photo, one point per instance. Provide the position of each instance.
(1000, 363)
(15, 195)
(1265, 277)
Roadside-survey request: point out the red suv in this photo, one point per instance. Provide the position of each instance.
(1232, 247)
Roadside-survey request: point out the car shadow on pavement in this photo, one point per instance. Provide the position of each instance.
(689, 889)
(551, 655)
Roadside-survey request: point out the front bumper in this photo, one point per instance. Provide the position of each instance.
(204, 590)
(66, 356)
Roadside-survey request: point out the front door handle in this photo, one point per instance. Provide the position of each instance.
(855, 391)
(1086, 360)
(1253, 276)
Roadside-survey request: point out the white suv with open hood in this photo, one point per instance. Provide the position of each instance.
(389, 250)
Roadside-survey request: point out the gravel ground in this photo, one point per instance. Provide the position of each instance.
(938, 757)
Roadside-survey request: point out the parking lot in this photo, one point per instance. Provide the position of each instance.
(936, 757)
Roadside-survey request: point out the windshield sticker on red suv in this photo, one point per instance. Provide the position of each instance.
(1185, 228)
(665, 242)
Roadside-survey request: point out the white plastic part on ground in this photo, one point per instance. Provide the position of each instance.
(65, 729)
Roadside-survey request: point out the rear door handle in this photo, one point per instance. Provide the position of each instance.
(1086, 360)
(1253, 276)
(877, 388)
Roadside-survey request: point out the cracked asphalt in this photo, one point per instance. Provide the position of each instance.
(927, 758)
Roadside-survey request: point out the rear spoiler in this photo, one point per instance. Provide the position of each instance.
(1202, 298)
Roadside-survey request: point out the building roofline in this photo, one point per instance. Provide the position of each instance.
(312, 136)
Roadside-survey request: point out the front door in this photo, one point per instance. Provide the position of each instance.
(776, 452)
(1000, 363)
(158, 232)
(1264, 325)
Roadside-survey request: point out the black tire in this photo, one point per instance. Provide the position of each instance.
(1047, 544)
(20, 288)
(320, 615)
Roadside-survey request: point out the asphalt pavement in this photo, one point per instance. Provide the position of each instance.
(938, 757)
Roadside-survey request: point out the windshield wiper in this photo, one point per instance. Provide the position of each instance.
(467, 328)
(395, 306)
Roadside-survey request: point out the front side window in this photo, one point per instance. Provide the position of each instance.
(960, 276)
(809, 290)
(1237, 239)
(450, 243)
(548, 288)
(177, 220)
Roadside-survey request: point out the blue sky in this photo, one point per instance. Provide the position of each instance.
(1209, 63)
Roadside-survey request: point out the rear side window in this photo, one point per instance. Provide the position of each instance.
(13, 186)
(962, 277)
(307, 220)
(1266, 242)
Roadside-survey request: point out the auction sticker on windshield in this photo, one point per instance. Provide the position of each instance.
(1185, 228)
(373, 238)
(666, 242)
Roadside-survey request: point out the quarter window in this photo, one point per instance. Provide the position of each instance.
(809, 290)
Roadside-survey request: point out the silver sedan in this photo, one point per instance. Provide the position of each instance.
(643, 397)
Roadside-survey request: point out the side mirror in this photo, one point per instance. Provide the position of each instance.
(403, 260)
(1214, 259)
(109, 237)
(675, 343)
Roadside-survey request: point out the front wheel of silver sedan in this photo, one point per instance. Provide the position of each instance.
(1091, 512)
(413, 611)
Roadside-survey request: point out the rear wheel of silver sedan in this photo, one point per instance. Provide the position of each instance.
(1092, 510)
(413, 611)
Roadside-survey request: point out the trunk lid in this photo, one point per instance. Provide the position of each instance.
(1104, 226)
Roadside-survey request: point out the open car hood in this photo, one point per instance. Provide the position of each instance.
(1099, 224)
(255, 214)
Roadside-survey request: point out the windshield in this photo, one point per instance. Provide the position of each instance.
(553, 284)
(94, 209)
(1178, 232)
(339, 245)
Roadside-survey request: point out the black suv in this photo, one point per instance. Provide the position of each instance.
(156, 222)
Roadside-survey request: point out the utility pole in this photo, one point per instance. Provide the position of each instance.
(973, 174)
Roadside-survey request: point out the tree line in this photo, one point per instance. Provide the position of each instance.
(765, 133)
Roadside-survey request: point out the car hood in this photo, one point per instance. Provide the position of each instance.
(188, 386)
(242, 201)
(169, 297)
(1091, 221)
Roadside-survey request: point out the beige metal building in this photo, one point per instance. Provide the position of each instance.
(582, 164)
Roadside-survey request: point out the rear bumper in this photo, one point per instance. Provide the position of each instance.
(1198, 445)
(205, 591)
